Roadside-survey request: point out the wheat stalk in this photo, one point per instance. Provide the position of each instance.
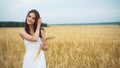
(47, 38)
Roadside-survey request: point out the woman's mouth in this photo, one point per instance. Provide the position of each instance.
(29, 22)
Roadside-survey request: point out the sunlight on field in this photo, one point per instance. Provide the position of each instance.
(72, 47)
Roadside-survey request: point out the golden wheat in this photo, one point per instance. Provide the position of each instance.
(68, 47)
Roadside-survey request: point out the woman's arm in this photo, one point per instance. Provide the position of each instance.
(43, 45)
(43, 36)
(34, 37)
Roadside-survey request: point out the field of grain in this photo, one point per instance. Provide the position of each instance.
(73, 47)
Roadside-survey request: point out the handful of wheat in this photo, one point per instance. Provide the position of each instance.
(46, 38)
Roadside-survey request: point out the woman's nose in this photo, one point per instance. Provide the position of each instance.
(30, 18)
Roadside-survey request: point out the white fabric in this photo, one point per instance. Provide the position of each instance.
(31, 52)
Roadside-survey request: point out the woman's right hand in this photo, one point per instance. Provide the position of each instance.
(39, 21)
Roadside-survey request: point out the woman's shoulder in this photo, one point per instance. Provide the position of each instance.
(21, 32)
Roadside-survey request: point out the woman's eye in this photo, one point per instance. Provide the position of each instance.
(33, 18)
(29, 16)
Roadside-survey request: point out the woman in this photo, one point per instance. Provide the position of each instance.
(34, 40)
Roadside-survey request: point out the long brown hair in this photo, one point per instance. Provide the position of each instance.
(35, 23)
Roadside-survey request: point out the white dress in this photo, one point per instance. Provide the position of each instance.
(30, 60)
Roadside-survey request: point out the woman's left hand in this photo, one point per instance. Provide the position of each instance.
(44, 46)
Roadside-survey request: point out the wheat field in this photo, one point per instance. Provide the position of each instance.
(87, 46)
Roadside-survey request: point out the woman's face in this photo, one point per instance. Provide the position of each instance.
(31, 19)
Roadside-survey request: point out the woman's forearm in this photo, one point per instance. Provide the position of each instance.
(36, 35)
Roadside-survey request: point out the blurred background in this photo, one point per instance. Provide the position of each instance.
(63, 11)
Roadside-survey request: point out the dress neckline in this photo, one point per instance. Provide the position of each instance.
(31, 41)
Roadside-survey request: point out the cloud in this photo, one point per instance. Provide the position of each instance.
(83, 15)
(53, 11)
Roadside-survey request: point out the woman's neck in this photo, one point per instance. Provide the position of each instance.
(31, 30)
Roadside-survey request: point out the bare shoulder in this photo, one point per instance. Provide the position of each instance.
(21, 33)
(42, 30)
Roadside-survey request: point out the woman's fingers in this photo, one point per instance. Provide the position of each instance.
(44, 46)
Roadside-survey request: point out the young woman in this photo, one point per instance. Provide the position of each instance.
(34, 40)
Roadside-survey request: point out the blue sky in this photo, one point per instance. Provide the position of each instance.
(62, 11)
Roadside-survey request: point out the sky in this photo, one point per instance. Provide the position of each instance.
(62, 11)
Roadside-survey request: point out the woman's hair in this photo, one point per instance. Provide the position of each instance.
(37, 16)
